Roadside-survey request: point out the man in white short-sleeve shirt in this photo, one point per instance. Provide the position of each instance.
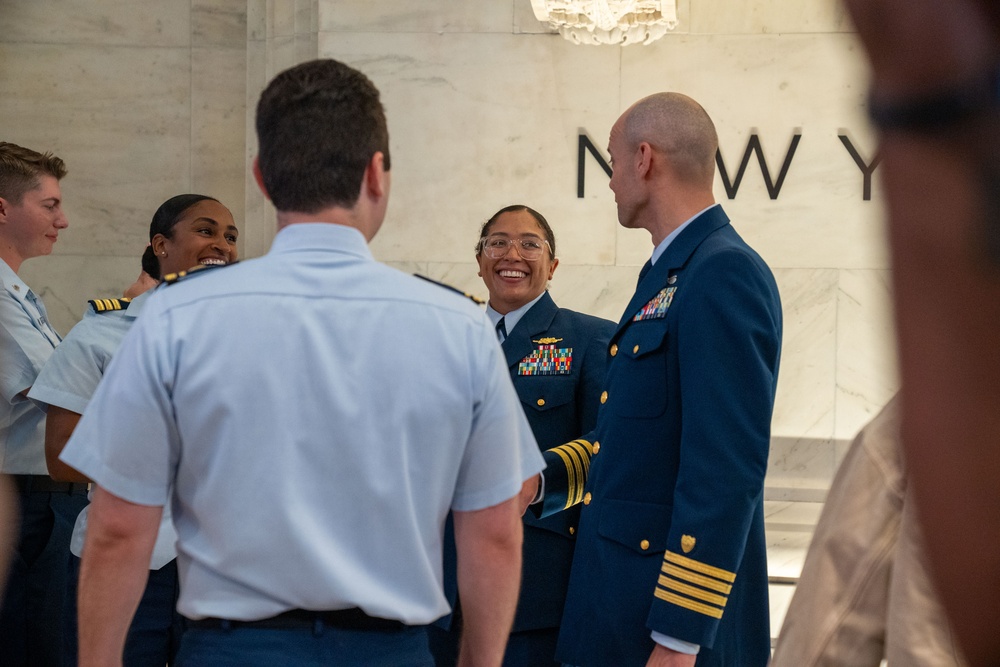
(318, 414)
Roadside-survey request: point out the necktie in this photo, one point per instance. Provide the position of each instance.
(501, 330)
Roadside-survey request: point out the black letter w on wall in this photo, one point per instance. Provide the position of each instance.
(753, 146)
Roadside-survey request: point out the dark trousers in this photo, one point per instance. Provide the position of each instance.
(36, 594)
(154, 637)
(318, 646)
(530, 648)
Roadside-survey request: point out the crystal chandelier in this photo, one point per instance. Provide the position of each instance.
(608, 21)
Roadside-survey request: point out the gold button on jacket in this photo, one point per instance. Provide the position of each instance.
(586, 498)
(604, 397)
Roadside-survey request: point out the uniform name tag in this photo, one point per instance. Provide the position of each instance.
(657, 306)
(547, 360)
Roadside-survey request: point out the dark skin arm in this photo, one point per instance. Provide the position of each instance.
(59, 425)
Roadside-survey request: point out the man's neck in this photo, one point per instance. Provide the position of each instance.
(673, 210)
(335, 215)
(10, 255)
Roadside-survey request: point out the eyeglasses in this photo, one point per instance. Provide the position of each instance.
(497, 247)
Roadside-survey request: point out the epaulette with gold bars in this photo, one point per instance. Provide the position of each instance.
(109, 305)
(172, 278)
(475, 299)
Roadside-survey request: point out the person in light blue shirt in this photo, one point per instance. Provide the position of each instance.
(311, 416)
(186, 231)
(31, 217)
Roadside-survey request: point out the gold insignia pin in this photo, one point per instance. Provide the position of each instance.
(687, 543)
(547, 341)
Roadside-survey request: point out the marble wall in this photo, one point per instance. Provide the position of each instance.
(485, 107)
(143, 101)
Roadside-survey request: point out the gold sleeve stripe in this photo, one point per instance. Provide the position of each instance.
(584, 450)
(576, 457)
(571, 475)
(691, 591)
(698, 566)
(714, 612)
(704, 582)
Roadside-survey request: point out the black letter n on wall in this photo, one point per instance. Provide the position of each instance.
(753, 146)
(585, 145)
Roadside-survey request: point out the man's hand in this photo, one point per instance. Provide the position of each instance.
(665, 657)
(528, 492)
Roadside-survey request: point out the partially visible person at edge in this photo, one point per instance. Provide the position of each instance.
(864, 596)
(284, 406)
(557, 359)
(186, 231)
(31, 217)
(934, 101)
(670, 562)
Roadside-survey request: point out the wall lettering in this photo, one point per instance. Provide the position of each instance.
(732, 186)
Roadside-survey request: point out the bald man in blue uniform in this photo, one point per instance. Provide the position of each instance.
(670, 563)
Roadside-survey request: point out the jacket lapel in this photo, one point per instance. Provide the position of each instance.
(537, 320)
(675, 257)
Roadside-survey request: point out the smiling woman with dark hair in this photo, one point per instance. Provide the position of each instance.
(186, 231)
(557, 359)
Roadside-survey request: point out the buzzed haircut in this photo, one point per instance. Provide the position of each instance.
(318, 126)
(21, 167)
(678, 126)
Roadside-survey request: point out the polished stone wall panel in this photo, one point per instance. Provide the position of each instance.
(104, 22)
(867, 373)
(768, 17)
(119, 116)
(219, 23)
(427, 16)
(463, 144)
(218, 126)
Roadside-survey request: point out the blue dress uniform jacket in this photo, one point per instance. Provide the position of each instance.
(671, 534)
(561, 403)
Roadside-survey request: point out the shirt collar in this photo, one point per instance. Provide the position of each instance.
(11, 282)
(306, 236)
(511, 319)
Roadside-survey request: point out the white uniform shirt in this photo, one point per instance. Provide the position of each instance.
(26, 341)
(318, 414)
(69, 379)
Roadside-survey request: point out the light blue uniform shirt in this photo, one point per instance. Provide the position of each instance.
(26, 341)
(69, 379)
(318, 414)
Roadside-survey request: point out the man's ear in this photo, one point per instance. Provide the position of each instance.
(4, 209)
(375, 175)
(644, 159)
(259, 177)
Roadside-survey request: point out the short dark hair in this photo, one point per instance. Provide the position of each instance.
(318, 126)
(550, 236)
(168, 215)
(20, 168)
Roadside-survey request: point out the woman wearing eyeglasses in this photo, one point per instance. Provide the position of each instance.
(557, 358)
